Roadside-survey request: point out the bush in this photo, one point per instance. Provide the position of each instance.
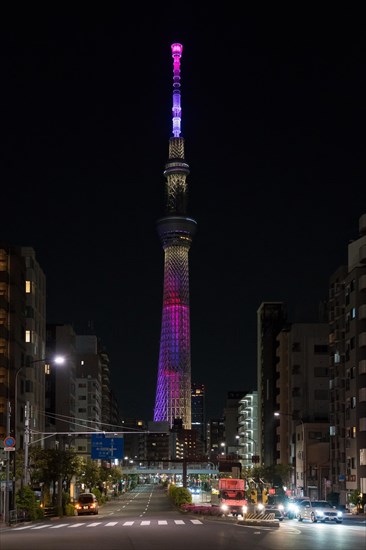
(202, 510)
(27, 504)
(180, 495)
(69, 509)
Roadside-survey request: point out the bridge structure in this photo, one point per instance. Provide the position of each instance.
(172, 467)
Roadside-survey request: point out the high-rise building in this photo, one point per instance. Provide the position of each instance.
(347, 365)
(271, 317)
(173, 392)
(199, 411)
(302, 416)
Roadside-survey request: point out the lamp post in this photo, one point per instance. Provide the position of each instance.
(57, 360)
(303, 455)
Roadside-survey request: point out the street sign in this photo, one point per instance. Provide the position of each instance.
(106, 448)
(9, 441)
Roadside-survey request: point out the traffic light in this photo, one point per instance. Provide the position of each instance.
(253, 496)
(264, 496)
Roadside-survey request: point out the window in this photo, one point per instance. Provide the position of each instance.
(321, 394)
(321, 348)
(28, 336)
(320, 372)
(28, 287)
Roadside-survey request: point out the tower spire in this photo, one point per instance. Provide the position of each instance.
(177, 50)
(176, 230)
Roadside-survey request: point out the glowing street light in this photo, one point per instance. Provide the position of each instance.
(304, 456)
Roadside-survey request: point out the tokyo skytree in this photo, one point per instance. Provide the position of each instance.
(175, 229)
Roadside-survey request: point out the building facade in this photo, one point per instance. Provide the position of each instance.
(347, 364)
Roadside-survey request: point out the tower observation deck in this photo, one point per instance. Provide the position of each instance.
(173, 391)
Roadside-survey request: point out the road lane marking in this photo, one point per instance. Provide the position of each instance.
(39, 527)
(162, 522)
(179, 521)
(94, 524)
(128, 523)
(76, 525)
(196, 521)
(111, 523)
(145, 523)
(58, 526)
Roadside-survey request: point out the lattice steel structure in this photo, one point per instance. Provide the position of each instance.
(173, 392)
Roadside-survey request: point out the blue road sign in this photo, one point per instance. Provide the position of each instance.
(106, 448)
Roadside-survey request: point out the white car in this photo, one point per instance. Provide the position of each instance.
(318, 510)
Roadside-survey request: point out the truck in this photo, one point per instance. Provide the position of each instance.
(232, 496)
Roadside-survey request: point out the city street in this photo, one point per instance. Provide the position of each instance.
(144, 519)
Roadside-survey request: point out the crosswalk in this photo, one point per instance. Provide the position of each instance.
(95, 524)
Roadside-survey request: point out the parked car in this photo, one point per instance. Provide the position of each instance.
(318, 510)
(87, 503)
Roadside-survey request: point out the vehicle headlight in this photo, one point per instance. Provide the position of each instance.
(245, 509)
(339, 514)
(260, 506)
(224, 507)
(295, 508)
(320, 513)
(291, 507)
(281, 507)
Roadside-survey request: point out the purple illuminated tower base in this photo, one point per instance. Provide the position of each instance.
(173, 393)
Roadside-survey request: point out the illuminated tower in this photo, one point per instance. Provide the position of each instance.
(173, 392)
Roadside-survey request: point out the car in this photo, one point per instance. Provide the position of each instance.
(291, 507)
(87, 503)
(318, 510)
(194, 489)
(276, 508)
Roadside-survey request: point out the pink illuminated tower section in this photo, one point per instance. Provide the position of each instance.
(173, 391)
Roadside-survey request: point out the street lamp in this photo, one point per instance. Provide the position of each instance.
(57, 360)
(304, 461)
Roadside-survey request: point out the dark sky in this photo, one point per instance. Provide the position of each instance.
(274, 127)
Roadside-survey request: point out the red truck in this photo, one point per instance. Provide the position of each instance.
(232, 496)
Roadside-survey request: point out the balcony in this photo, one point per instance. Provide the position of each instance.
(362, 254)
(362, 339)
(362, 312)
(362, 282)
(362, 366)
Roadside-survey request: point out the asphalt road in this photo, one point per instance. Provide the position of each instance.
(144, 519)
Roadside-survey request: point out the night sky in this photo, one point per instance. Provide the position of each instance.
(273, 116)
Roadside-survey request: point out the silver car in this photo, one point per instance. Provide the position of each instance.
(318, 510)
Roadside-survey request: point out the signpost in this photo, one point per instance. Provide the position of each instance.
(9, 443)
(107, 448)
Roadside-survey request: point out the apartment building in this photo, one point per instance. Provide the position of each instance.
(347, 366)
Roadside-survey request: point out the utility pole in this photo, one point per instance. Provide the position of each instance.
(7, 488)
(26, 443)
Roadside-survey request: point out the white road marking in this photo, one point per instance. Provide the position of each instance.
(162, 522)
(145, 523)
(94, 524)
(196, 521)
(179, 521)
(76, 525)
(58, 526)
(111, 523)
(128, 523)
(39, 527)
